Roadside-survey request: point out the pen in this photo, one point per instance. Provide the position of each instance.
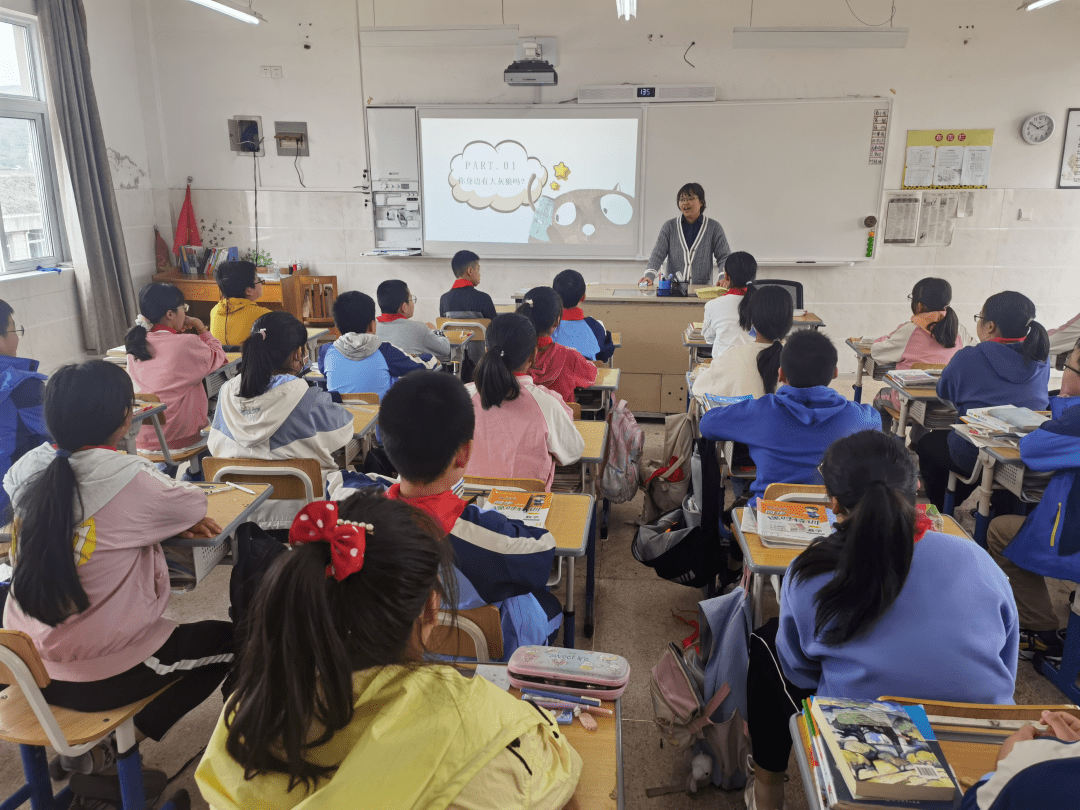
(242, 489)
(560, 696)
(558, 704)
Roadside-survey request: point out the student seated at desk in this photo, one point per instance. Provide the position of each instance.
(22, 423)
(165, 361)
(576, 331)
(269, 412)
(1008, 367)
(522, 429)
(428, 424)
(90, 583)
(556, 367)
(360, 361)
(727, 320)
(463, 299)
(396, 326)
(789, 431)
(334, 699)
(876, 608)
(752, 368)
(232, 317)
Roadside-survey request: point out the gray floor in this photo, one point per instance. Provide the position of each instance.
(633, 618)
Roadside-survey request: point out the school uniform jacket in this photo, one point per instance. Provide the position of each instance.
(365, 363)
(911, 342)
(464, 297)
(711, 243)
(1043, 772)
(1064, 338)
(231, 320)
(560, 369)
(733, 374)
(721, 326)
(22, 421)
(585, 335)
(412, 337)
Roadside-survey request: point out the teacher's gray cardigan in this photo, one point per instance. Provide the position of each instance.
(711, 243)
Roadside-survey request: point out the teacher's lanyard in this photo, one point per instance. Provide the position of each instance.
(688, 253)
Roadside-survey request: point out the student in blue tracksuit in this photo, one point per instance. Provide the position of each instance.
(789, 431)
(360, 361)
(22, 420)
(1008, 367)
(576, 331)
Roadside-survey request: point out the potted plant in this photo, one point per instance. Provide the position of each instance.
(261, 259)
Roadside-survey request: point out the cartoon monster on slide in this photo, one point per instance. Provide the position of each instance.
(582, 216)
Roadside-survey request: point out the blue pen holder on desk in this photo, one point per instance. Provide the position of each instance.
(663, 288)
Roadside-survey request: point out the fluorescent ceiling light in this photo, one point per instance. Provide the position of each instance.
(626, 9)
(234, 10)
(1031, 5)
(820, 37)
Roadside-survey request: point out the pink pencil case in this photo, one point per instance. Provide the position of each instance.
(576, 672)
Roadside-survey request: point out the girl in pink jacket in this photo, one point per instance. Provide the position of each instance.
(169, 354)
(90, 581)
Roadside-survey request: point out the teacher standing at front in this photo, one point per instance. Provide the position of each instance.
(689, 242)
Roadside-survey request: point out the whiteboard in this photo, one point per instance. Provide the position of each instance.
(789, 181)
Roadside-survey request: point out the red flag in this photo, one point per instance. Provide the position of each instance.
(161, 247)
(187, 230)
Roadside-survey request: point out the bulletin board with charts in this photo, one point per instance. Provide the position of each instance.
(948, 158)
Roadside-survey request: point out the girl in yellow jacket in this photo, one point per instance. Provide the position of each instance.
(334, 706)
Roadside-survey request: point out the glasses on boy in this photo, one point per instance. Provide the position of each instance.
(18, 330)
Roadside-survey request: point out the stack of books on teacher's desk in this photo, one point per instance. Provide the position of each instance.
(876, 754)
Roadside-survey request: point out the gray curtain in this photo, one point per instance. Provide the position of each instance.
(106, 297)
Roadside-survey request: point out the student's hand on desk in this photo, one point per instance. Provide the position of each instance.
(1060, 725)
(430, 326)
(193, 323)
(645, 282)
(207, 527)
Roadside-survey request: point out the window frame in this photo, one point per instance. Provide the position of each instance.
(35, 108)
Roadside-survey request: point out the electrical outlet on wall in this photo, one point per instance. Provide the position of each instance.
(264, 71)
(275, 71)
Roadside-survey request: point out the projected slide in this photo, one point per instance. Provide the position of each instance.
(554, 182)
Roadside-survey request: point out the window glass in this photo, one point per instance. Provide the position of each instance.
(21, 201)
(16, 77)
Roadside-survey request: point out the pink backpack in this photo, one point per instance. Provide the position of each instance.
(619, 472)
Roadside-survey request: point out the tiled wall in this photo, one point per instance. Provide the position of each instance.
(46, 304)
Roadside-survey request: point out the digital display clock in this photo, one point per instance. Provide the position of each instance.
(646, 92)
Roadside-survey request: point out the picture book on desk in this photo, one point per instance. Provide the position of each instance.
(790, 525)
(531, 508)
(877, 756)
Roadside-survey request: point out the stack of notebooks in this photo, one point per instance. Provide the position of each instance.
(693, 330)
(1005, 421)
(933, 415)
(787, 525)
(915, 378)
(876, 754)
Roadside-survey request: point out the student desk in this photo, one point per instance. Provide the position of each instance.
(504, 309)
(915, 403)
(313, 335)
(616, 342)
(146, 410)
(695, 345)
(607, 382)
(365, 420)
(595, 435)
(866, 365)
(458, 338)
(229, 507)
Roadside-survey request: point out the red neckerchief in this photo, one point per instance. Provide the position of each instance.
(159, 328)
(1007, 340)
(521, 374)
(389, 318)
(923, 524)
(544, 341)
(446, 507)
(573, 314)
(461, 282)
(736, 291)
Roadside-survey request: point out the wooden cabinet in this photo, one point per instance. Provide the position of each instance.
(289, 294)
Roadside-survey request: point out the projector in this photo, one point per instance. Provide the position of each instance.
(525, 72)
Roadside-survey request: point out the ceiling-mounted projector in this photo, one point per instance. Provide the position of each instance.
(532, 68)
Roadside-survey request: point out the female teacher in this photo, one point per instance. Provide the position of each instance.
(692, 240)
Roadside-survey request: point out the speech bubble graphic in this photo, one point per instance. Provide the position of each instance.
(501, 177)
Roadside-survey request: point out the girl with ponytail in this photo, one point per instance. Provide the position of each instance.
(1008, 367)
(169, 354)
(561, 369)
(882, 606)
(752, 368)
(522, 429)
(90, 583)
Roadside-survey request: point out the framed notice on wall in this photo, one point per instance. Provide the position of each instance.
(948, 158)
(1070, 155)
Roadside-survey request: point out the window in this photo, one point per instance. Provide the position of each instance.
(29, 223)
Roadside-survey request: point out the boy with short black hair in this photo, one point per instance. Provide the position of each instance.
(463, 299)
(427, 424)
(232, 317)
(576, 331)
(788, 432)
(360, 361)
(22, 390)
(395, 324)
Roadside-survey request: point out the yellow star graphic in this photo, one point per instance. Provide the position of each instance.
(555, 186)
(561, 171)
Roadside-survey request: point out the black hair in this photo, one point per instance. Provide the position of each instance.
(874, 478)
(771, 311)
(570, 285)
(543, 307)
(511, 340)
(156, 300)
(234, 278)
(353, 312)
(696, 190)
(307, 634)
(741, 268)
(392, 293)
(808, 359)
(5, 312)
(462, 261)
(1014, 315)
(274, 336)
(936, 294)
(424, 419)
(84, 404)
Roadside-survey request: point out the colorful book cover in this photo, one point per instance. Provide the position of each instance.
(791, 524)
(531, 508)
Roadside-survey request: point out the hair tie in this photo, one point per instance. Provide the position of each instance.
(143, 321)
(259, 332)
(1027, 326)
(319, 522)
(62, 453)
(528, 301)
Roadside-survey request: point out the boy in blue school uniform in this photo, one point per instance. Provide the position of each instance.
(360, 361)
(427, 424)
(22, 420)
(788, 432)
(576, 331)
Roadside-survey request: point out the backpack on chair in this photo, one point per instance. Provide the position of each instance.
(619, 473)
(666, 482)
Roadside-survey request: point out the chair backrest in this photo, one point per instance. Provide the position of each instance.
(792, 492)
(367, 398)
(794, 288)
(476, 634)
(523, 484)
(23, 646)
(143, 397)
(301, 478)
(461, 313)
(478, 325)
(575, 409)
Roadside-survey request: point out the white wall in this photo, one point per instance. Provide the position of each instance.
(205, 68)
